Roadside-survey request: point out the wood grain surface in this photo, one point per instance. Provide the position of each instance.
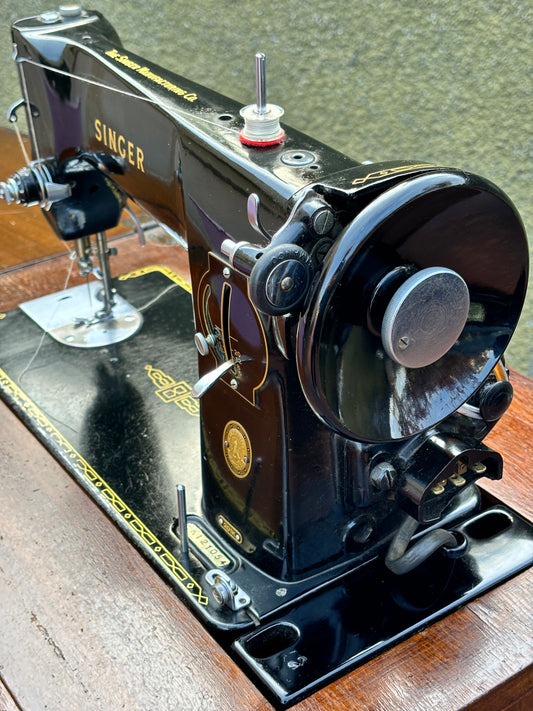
(85, 623)
(6, 700)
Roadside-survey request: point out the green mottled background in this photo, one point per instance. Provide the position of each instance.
(442, 82)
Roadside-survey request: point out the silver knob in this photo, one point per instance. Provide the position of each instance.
(203, 343)
(425, 317)
(72, 9)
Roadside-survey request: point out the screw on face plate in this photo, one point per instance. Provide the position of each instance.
(298, 158)
(234, 384)
(226, 272)
(49, 17)
(323, 221)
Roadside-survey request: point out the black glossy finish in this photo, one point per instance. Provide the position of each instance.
(314, 443)
(439, 219)
(110, 416)
(367, 612)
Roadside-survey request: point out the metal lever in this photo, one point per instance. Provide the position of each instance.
(252, 209)
(209, 379)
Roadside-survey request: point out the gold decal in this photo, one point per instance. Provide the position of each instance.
(140, 159)
(170, 390)
(118, 143)
(149, 74)
(166, 271)
(237, 449)
(377, 174)
(121, 150)
(112, 140)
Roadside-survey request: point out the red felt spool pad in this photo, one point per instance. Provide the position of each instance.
(262, 144)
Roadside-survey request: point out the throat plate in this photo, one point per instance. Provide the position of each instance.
(69, 317)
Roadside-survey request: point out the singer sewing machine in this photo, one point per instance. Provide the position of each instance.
(300, 458)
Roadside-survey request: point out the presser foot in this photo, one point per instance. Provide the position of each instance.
(74, 317)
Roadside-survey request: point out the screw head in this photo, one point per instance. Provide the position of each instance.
(323, 221)
(220, 593)
(287, 283)
(403, 343)
(383, 476)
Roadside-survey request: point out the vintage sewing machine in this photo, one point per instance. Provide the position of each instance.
(350, 321)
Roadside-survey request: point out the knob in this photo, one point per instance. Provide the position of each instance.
(425, 317)
(494, 399)
(280, 279)
(203, 343)
(33, 185)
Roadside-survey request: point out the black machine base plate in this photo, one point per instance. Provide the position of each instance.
(122, 421)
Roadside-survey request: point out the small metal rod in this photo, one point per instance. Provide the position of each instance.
(260, 83)
(82, 247)
(182, 523)
(138, 227)
(107, 290)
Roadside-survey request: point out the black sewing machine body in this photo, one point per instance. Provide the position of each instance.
(317, 439)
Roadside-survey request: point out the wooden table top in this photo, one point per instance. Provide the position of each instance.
(85, 622)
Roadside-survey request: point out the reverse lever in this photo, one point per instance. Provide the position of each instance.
(209, 379)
